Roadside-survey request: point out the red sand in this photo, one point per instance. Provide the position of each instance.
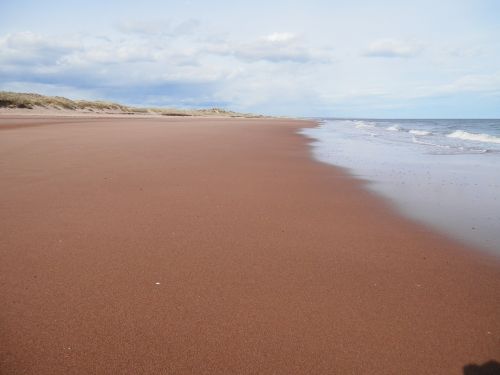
(267, 262)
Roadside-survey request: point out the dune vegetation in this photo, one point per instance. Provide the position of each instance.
(15, 100)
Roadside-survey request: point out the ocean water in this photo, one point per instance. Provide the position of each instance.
(443, 173)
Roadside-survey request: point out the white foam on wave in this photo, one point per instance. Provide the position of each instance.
(461, 134)
(419, 132)
(415, 140)
(450, 150)
(394, 128)
(363, 125)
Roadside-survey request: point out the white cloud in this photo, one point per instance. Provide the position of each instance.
(27, 47)
(466, 84)
(485, 83)
(110, 53)
(156, 65)
(275, 47)
(273, 73)
(280, 37)
(392, 48)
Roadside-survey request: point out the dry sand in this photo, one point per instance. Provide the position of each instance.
(209, 246)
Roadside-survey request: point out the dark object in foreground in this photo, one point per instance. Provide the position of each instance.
(489, 368)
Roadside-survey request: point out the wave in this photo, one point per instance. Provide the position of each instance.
(419, 132)
(394, 128)
(451, 150)
(415, 140)
(461, 134)
(363, 124)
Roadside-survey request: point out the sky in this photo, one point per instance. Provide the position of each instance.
(358, 58)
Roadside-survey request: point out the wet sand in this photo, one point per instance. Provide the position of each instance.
(218, 246)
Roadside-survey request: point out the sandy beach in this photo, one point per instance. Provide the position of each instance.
(219, 246)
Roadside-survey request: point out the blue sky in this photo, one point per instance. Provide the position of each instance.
(432, 59)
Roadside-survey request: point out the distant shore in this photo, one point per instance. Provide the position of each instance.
(218, 245)
(15, 103)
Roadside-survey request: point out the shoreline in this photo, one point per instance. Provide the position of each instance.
(367, 185)
(448, 187)
(267, 260)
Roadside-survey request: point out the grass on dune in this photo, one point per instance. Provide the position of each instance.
(33, 101)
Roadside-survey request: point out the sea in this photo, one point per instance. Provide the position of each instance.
(442, 173)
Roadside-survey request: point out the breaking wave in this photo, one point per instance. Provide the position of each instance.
(419, 132)
(460, 134)
(363, 124)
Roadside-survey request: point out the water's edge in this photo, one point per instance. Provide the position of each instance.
(440, 206)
